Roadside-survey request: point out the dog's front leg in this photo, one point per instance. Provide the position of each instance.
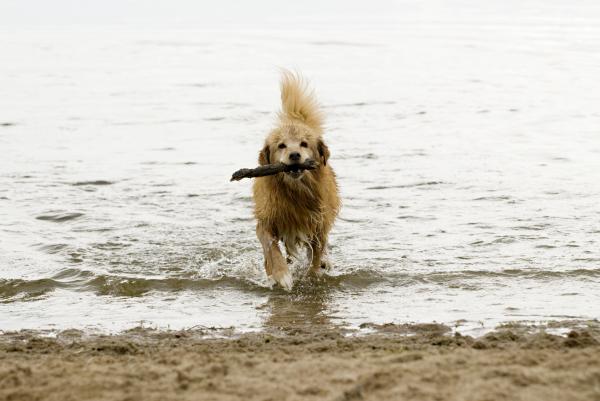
(318, 264)
(275, 264)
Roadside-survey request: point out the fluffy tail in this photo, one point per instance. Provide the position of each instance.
(298, 101)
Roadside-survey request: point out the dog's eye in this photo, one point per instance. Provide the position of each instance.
(281, 146)
(304, 144)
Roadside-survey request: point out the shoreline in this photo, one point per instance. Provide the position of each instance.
(416, 362)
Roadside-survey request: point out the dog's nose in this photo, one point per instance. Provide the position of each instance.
(295, 156)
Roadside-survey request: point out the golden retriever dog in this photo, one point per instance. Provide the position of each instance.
(297, 208)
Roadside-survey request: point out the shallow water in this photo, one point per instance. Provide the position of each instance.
(467, 147)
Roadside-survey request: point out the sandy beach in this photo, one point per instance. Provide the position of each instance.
(422, 362)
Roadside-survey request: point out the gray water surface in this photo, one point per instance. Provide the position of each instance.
(467, 148)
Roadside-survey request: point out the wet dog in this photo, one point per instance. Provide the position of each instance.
(298, 207)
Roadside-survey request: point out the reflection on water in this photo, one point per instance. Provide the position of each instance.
(303, 310)
(470, 188)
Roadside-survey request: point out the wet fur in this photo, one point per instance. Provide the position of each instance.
(299, 212)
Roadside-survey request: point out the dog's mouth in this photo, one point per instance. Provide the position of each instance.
(295, 171)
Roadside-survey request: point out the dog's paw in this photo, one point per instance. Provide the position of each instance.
(271, 281)
(323, 268)
(317, 272)
(285, 280)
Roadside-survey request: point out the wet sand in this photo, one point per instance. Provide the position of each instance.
(422, 362)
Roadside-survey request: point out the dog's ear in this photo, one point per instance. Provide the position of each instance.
(264, 156)
(323, 151)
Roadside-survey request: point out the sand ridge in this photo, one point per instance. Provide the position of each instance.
(429, 364)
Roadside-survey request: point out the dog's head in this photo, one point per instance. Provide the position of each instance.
(293, 144)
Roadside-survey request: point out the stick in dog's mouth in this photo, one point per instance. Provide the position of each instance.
(294, 170)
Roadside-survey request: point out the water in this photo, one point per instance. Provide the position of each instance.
(465, 140)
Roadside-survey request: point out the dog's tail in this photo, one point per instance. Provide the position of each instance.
(298, 101)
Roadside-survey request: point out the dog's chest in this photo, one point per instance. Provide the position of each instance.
(296, 223)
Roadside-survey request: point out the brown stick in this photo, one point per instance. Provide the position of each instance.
(272, 169)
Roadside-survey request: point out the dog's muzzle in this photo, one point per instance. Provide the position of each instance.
(295, 172)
